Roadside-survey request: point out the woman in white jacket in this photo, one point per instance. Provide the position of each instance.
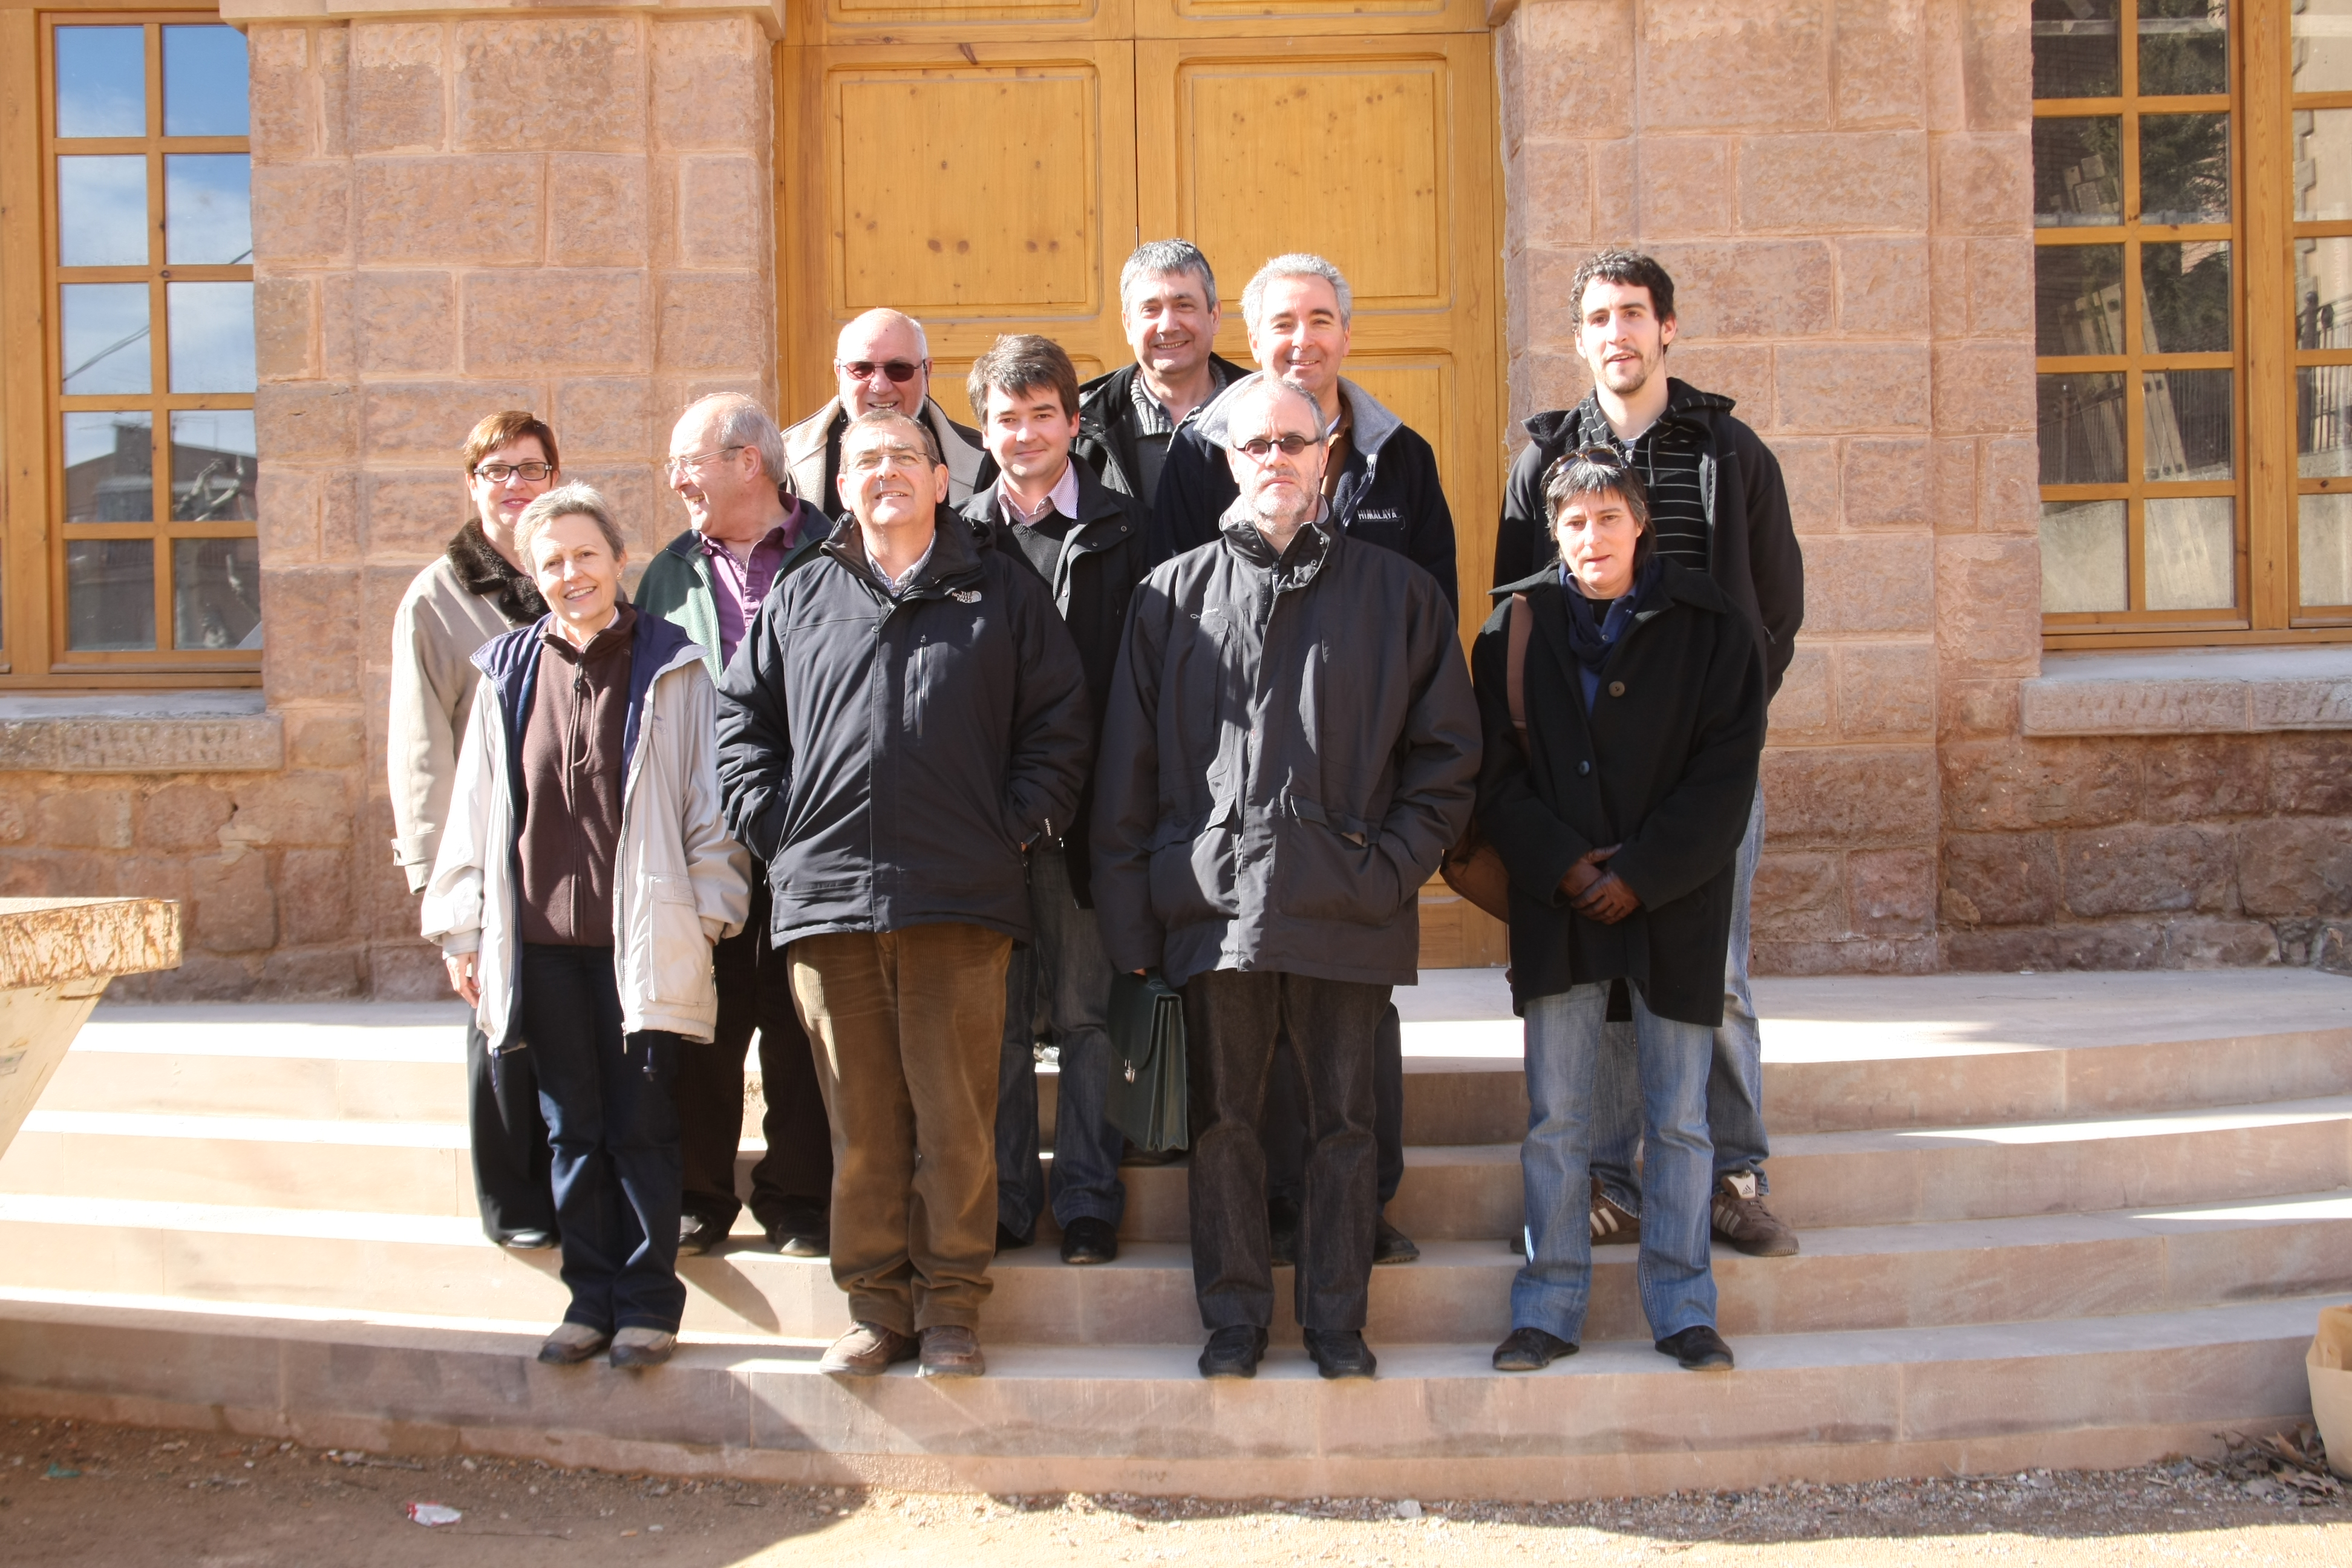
(583, 877)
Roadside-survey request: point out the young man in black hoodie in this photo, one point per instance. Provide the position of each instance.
(1717, 505)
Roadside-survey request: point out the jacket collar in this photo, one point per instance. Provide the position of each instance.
(807, 440)
(484, 573)
(1374, 423)
(1097, 503)
(1311, 548)
(1103, 397)
(1684, 402)
(955, 558)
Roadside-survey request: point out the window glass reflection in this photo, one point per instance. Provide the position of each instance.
(111, 466)
(2324, 550)
(2323, 164)
(212, 336)
(2077, 171)
(2085, 561)
(2185, 297)
(2322, 31)
(102, 81)
(2184, 168)
(104, 333)
(216, 593)
(208, 208)
(213, 466)
(2078, 300)
(110, 595)
(2192, 556)
(102, 211)
(204, 83)
(2184, 48)
(2323, 421)
(2075, 49)
(2082, 427)
(2189, 424)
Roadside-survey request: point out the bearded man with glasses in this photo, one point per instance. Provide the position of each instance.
(882, 361)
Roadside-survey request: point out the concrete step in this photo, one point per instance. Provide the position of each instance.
(1860, 1278)
(2093, 1391)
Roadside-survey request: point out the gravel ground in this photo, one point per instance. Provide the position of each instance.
(74, 1493)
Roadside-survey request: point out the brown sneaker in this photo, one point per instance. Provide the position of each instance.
(1741, 1220)
(1612, 1221)
(867, 1350)
(951, 1351)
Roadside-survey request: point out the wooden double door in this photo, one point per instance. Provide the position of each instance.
(988, 169)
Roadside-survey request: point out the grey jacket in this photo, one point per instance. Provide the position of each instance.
(809, 451)
(1292, 746)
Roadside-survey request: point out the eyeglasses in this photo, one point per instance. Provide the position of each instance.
(900, 372)
(1291, 446)
(499, 473)
(677, 466)
(873, 460)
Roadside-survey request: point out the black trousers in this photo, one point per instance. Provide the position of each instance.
(511, 1184)
(793, 1181)
(1230, 1023)
(1286, 1137)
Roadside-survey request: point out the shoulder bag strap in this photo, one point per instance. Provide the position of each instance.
(1516, 681)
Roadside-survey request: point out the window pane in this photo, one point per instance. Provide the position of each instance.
(102, 81)
(2323, 420)
(2078, 300)
(2323, 164)
(212, 336)
(2081, 429)
(2184, 168)
(208, 208)
(105, 333)
(2184, 46)
(204, 82)
(2192, 553)
(111, 466)
(2323, 293)
(2185, 297)
(2323, 46)
(109, 595)
(216, 593)
(2323, 542)
(2077, 171)
(213, 466)
(102, 212)
(2074, 52)
(2084, 563)
(2190, 425)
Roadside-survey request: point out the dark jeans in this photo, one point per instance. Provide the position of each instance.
(1286, 1137)
(792, 1183)
(613, 1125)
(1231, 1023)
(511, 1184)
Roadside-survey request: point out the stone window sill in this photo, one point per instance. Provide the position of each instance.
(162, 733)
(2190, 692)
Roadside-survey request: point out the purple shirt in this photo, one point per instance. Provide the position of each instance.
(742, 586)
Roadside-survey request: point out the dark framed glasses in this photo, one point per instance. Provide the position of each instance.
(899, 371)
(499, 473)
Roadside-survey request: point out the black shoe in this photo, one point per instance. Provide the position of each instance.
(1089, 1240)
(1340, 1353)
(527, 1240)
(1233, 1352)
(1282, 1232)
(697, 1235)
(1390, 1245)
(1530, 1350)
(800, 1238)
(1010, 1240)
(1697, 1349)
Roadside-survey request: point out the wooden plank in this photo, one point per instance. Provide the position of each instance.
(2266, 262)
(24, 356)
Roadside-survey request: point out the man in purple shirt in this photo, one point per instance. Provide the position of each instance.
(726, 462)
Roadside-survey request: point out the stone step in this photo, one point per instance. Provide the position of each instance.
(1883, 1177)
(1860, 1278)
(1437, 1422)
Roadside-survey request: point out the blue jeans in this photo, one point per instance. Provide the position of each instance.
(1565, 1046)
(1065, 976)
(612, 1124)
(1735, 1083)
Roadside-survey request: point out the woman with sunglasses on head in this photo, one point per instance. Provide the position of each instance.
(1621, 762)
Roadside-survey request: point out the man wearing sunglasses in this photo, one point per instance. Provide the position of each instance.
(1717, 505)
(478, 590)
(882, 361)
(1291, 745)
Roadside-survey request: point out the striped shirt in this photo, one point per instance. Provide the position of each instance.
(1666, 456)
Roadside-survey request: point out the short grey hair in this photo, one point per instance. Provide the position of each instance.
(574, 500)
(1256, 381)
(1154, 257)
(1296, 264)
(743, 423)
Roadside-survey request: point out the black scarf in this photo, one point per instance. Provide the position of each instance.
(1587, 617)
(484, 572)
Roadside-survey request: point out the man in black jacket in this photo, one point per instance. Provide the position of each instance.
(1717, 505)
(1085, 543)
(904, 718)
(1168, 305)
(1292, 746)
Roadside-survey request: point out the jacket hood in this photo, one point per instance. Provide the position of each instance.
(1374, 423)
(1554, 424)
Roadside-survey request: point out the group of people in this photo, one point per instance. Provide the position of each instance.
(919, 733)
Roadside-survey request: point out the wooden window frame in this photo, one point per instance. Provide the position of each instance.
(32, 404)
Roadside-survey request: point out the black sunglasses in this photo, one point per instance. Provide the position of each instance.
(900, 372)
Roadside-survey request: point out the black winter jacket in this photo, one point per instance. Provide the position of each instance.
(888, 759)
(1752, 551)
(1100, 566)
(1292, 746)
(1663, 764)
(1105, 442)
(1388, 492)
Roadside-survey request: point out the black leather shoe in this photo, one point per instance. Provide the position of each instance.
(1282, 1232)
(1697, 1349)
(1010, 1240)
(1089, 1240)
(527, 1240)
(800, 1239)
(1530, 1350)
(1233, 1352)
(1340, 1353)
(1390, 1245)
(697, 1236)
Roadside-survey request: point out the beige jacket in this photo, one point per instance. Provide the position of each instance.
(968, 467)
(435, 632)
